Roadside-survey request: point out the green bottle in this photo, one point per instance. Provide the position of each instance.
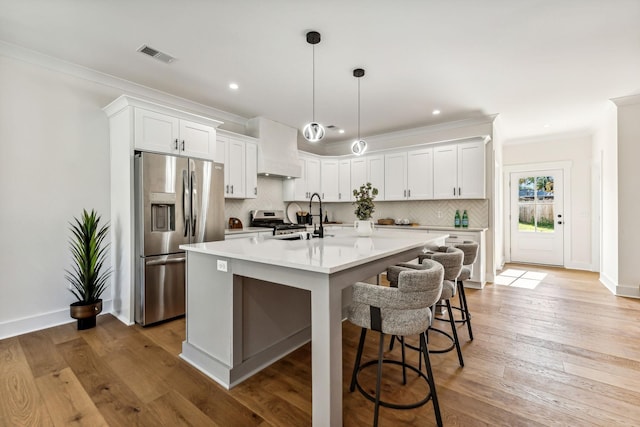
(465, 219)
(456, 220)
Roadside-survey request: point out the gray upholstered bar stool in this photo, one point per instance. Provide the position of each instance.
(451, 259)
(402, 311)
(470, 250)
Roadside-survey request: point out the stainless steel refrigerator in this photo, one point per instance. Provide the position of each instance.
(178, 200)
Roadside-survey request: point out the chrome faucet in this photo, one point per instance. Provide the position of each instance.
(320, 232)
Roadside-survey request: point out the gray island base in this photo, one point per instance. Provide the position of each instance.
(252, 301)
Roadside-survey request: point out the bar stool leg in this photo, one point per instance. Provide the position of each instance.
(378, 380)
(455, 332)
(465, 309)
(363, 334)
(432, 384)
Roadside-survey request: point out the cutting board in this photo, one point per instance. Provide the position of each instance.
(234, 223)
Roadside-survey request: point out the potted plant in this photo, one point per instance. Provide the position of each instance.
(88, 277)
(364, 208)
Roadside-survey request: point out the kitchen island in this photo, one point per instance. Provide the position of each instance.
(252, 301)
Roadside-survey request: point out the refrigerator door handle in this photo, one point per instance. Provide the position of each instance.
(186, 196)
(194, 202)
(167, 261)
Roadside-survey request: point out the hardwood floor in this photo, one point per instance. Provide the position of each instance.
(564, 353)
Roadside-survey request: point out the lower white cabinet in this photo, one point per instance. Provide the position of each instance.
(478, 273)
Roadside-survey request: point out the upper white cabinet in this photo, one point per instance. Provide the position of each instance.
(358, 174)
(163, 133)
(252, 170)
(239, 155)
(458, 170)
(420, 174)
(302, 188)
(395, 176)
(375, 174)
(409, 175)
(335, 177)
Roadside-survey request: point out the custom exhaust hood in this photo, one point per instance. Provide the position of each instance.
(277, 148)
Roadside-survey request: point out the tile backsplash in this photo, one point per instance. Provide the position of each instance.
(425, 212)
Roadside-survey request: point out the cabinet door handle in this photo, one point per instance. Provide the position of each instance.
(322, 195)
(227, 190)
(409, 193)
(176, 143)
(339, 196)
(454, 191)
(231, 189)
(183, 145)
(459, 191)
(255, 190)
(404, 193)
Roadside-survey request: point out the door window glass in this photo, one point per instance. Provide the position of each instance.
(535, 204)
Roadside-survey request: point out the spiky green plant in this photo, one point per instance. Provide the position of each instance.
(89, 275)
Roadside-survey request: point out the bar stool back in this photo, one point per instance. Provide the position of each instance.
(470, 250)
(403, 310)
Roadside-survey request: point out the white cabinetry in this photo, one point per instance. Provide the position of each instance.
(478, 273)
(375, 174)
(335, 177)
(238, 153)
(420, 174)
(252, 170)
(459, 170)
(163, 133)
(395, 176)
(358, 174)
(300, 189)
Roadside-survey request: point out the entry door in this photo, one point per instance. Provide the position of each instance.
(537, 217)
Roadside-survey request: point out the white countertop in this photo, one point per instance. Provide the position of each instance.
(339, 250)
(432, 227)
(244, 230)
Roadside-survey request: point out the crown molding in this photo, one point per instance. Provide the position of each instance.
(54, 64)
(578, 133)
(627, 100)
(489, 118)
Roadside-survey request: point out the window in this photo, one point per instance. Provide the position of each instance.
(535, 204)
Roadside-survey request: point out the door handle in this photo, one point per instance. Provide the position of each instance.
(186, 197)
(183, 145)
(454, 191)
(459, 191)
(409, 193)
(194, 202)
(176, 143)
(560, 222)
(404, 193)
(163, 262)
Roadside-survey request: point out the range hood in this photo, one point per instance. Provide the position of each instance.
(277, 148)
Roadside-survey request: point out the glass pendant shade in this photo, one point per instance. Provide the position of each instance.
(313, 132)
(359, 147)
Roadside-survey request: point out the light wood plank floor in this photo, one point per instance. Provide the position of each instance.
(565, 353)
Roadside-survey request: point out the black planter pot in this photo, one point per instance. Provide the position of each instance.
(85, 313)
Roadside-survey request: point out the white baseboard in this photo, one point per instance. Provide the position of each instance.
(628, 291)
(608, 283)
(24, 325)
(579, 266)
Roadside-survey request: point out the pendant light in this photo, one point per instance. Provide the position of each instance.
(313, 132)
(359, 146)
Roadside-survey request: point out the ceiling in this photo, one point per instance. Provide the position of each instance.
(546, 67)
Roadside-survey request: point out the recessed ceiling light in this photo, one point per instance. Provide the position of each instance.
(435, 112)
(233, 86)
(341, 131)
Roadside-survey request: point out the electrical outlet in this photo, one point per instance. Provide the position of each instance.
(222, 265)
(439, 213)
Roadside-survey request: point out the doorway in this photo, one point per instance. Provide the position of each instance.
(537, 217)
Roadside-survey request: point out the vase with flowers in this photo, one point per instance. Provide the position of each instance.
(364, 197)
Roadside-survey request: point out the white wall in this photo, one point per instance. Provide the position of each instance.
(54, 163)
(605, 155)
(576, 149)
(628, 200)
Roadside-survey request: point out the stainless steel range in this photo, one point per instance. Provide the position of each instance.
(274, 219)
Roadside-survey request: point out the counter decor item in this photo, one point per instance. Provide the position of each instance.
(364, 208)
(456, 219)
(465, 219)
(235, 223)
(386, 221)
(88, 277)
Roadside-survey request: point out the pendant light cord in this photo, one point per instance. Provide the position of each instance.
(313, 83)
(358, 108)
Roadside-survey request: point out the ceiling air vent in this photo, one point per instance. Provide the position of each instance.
(160, 56)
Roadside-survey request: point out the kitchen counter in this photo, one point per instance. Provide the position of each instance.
(431, 227)
(245, 230)
(249, 303)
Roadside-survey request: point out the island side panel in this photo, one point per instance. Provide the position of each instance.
(213, 302)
